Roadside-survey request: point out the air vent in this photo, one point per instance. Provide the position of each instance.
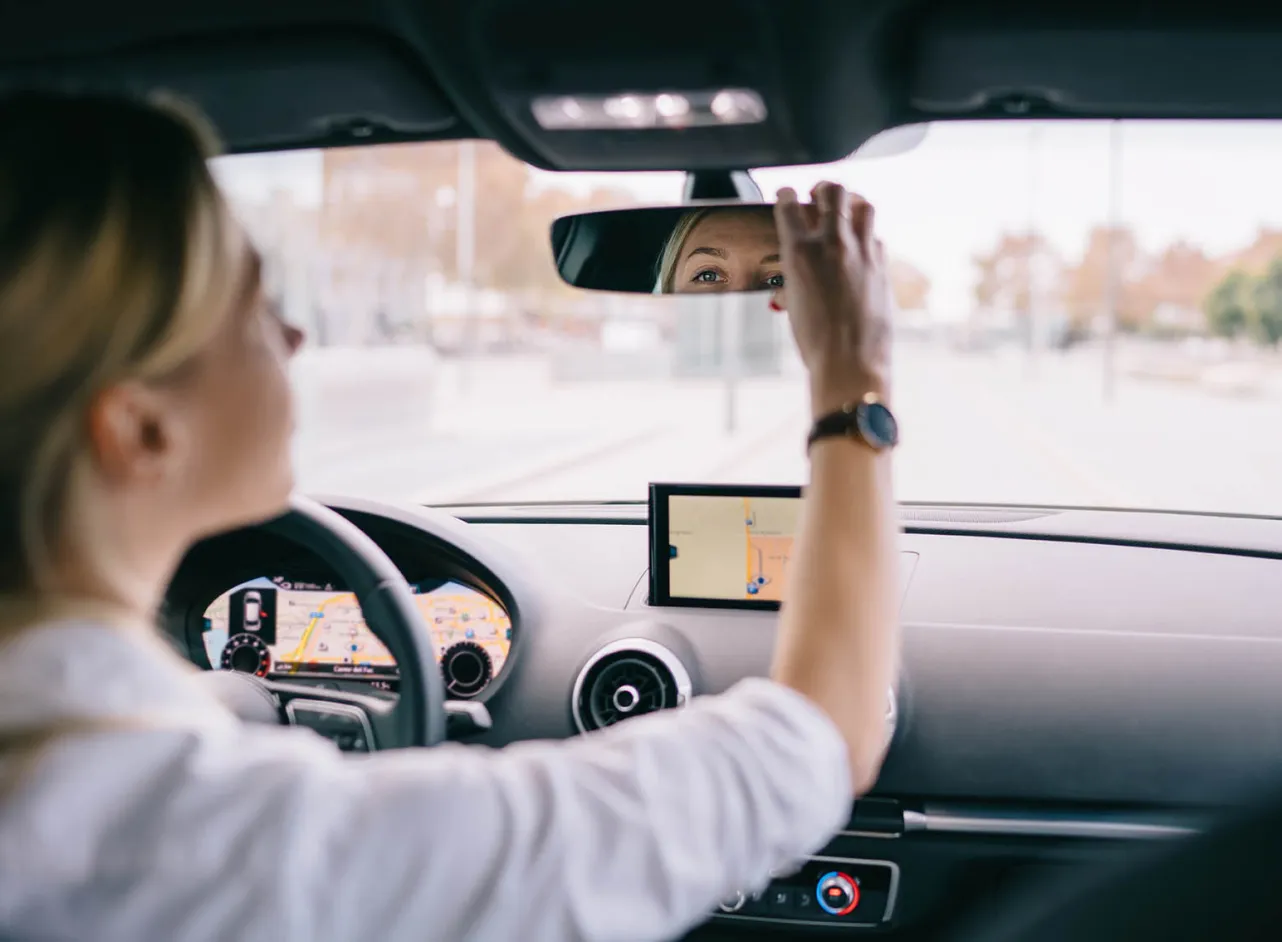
(627, 678)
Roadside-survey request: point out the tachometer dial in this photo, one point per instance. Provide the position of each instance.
(248, 654)
(467, 668)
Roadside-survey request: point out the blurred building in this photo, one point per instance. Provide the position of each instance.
(376, 242)
(390, 244)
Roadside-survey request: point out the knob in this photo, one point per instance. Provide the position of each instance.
(733, 904)
(626, 698)
(467, 668)
(838, 893)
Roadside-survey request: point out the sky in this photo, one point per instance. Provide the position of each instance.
(1211, 183)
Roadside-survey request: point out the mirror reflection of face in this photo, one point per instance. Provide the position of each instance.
(730, 250)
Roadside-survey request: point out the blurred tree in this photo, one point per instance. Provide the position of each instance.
(1256, 257)
(1240, 294)
(1007, 273)
(511, 216)
(1266, 322)
(396, 208)
(537, 268)
(1229, 305)
(1086, 284)
(1181, 277)
(910, 284)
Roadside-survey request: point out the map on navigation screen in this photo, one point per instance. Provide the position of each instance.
(281, 628)
(324, 628)
(729, 547)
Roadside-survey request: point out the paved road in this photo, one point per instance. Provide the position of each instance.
(977, 427)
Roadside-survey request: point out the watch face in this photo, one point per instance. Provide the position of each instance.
(877, 425)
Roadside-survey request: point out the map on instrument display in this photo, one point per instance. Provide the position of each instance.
(280, 628)
(727, 547)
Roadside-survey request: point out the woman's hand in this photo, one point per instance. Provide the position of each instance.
(838, 290)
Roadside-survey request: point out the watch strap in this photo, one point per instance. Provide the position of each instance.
(839, 424)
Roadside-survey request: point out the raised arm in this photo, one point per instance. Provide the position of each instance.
(838, 636)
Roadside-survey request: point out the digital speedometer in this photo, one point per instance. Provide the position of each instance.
(284, 628)
(248, 654)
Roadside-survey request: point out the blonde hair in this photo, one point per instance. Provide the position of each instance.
(115, 251)
(671, 253)
(676, 240)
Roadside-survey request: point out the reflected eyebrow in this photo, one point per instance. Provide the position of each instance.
(707, 250)
(770, 258)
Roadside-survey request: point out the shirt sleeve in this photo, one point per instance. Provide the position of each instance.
(631, 833)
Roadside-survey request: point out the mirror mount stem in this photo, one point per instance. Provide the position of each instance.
(721, 185)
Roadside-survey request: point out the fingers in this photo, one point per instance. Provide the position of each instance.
(827, 216)
(832, 206)
(862, 216)
(789, 220)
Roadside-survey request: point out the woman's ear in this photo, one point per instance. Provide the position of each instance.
(129, 432)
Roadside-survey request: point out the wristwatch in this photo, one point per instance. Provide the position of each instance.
(868, 420)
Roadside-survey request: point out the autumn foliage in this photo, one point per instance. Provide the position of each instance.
(1237, 294)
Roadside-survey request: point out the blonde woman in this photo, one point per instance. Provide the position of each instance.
(144, 404)
(723, 248)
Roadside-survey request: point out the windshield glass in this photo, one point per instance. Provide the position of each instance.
(1089, 315)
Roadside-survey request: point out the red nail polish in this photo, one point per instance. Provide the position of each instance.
(774, 305)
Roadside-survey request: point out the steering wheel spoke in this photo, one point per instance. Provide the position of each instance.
(352, 721)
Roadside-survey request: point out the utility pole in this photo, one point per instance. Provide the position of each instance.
(1031, 256)
(465, 248)
(1113, 284)
(730, 316)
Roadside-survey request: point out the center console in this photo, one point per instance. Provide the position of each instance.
(823, 891)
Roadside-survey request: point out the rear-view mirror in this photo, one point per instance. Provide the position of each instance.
(695, 248)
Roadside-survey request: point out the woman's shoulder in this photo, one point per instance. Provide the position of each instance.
(76, 666)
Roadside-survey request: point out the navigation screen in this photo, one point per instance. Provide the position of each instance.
(283, 629)
(721, 546)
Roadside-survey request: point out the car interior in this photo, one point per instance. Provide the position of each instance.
(1075, 683)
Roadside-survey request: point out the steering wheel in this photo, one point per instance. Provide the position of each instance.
(417, 717)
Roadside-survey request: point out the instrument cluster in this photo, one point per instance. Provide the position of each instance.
(282, 629)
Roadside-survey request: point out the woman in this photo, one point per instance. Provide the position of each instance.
(144, 405)
(723, 248)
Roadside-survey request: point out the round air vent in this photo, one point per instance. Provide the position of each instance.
(626, 678)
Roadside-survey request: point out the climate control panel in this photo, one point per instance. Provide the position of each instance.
(822, 891)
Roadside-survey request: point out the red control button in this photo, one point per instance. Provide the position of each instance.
(838, 893)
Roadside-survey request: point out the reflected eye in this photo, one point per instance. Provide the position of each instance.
(775, 281)
(708, 276)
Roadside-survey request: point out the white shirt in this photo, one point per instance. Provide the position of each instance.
(166, 818)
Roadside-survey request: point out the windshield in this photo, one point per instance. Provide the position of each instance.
(1089, 315)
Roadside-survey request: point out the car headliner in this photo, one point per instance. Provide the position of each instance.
(278, 74)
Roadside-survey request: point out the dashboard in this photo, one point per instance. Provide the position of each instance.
(285, 629)
(1074, 684)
